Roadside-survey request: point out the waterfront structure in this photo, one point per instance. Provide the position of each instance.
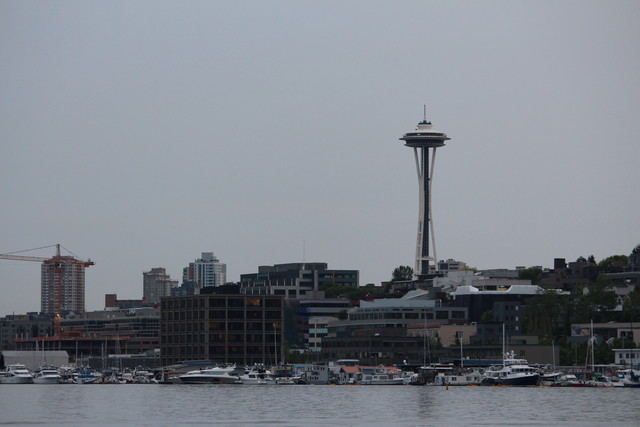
(24, 326)
(396, 314)
(156, 284)
(487, 295)
(34, 360)
(97, 333)
(628, 357)
(628, 331)
(424, 139)
(223, 325)
(206, 271)
(317, 330)
(295, 280)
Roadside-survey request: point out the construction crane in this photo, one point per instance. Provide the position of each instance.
(57, 261)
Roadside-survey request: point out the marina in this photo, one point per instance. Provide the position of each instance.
(512, 372)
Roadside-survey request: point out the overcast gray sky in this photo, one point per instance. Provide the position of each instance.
(142, 133)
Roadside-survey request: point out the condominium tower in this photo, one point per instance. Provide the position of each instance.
(206, 271)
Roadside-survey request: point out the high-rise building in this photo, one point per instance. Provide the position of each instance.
(156, 284)
(62, 281)
(206, 271)
(62, 285)
(422, 140)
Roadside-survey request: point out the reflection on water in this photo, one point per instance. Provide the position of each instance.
(315, 405)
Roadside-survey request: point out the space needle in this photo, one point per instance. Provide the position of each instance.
(423, 139)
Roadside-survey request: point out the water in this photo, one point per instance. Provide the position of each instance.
(240, 405)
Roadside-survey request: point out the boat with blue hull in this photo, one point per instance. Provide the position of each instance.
(512, 372)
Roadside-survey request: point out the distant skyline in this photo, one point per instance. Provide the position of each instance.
(142, 133)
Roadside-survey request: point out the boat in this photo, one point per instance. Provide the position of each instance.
(47, 376)
(512, 372)
(16, 374)
(600, 380)
(568, 380)
(467, 376)
(86, 376)
(381, 376)
(629, 377)
(254, 376)
(210, 376)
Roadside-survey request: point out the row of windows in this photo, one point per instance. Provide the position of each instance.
(231, 302)
(440, 315)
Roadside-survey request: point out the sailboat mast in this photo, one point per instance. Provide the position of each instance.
(593, 358)
(424, 341)
(504, 348)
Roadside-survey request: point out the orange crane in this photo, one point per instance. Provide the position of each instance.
(57, 261)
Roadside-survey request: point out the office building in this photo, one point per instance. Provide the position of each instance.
(224, 326)
(295, 280)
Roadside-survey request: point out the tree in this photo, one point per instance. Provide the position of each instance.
(545, 314)
(532, 273)
(403, 272)
(614, 260)
(594, 304)
(487, 316)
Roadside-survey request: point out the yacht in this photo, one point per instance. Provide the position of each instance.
(16, 374)
(210, 376)
(47, 376)
(512, 372)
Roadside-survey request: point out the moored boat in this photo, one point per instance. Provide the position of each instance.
(16, 374)
(47, 376)
(210, 376)
(512, 372)
(464, 377)
(381, 376)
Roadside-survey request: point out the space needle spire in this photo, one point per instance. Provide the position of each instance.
(424, 139)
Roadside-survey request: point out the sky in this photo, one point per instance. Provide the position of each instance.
(140, 134)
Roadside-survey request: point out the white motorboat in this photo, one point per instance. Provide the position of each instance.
(210, 376)
(512, 372)
(381, 376)
(255, 376)
(16, 374)
(47, 376)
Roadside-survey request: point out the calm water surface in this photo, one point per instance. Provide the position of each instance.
(316, 405)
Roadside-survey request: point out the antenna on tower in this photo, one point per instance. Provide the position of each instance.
(425, 112)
